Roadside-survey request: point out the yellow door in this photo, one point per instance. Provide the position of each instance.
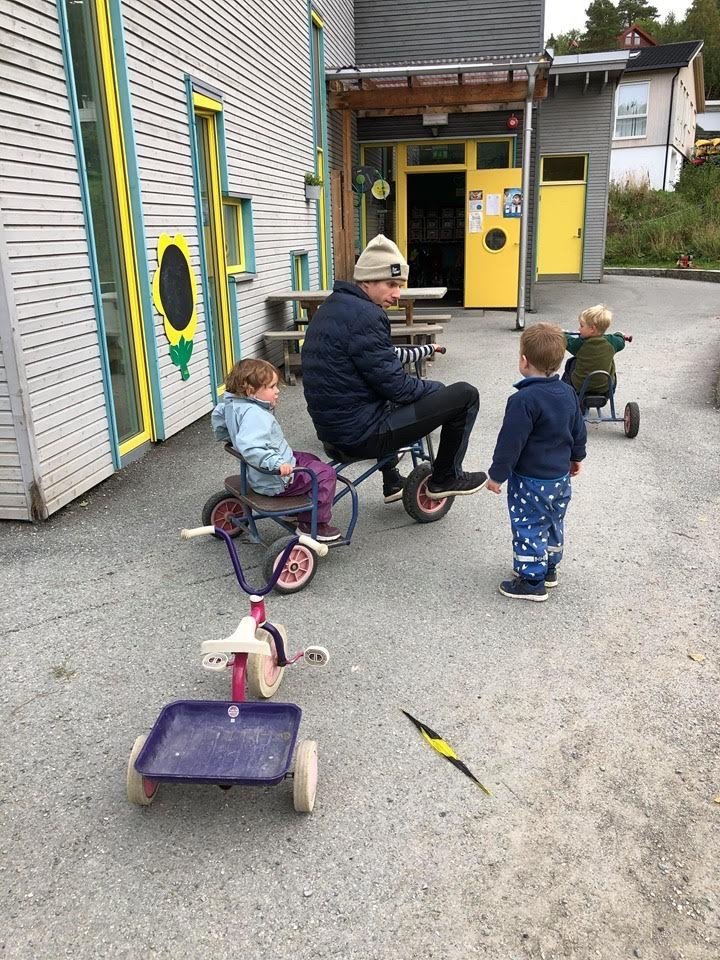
(560, 230)
(493, 210)
(561, 217)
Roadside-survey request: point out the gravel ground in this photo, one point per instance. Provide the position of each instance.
(586, 717)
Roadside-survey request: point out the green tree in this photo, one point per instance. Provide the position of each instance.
(703, 23)
(602, 26)
(634, 11)
(569, 42)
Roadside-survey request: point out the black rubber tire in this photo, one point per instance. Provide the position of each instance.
(416, 502)
(303, 556)
(212, 513)
(631, 419)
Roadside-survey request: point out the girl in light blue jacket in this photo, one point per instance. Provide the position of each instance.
(245, 417)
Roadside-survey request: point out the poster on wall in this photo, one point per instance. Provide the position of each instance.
(512, 202)
(475, 211)
(493, 205)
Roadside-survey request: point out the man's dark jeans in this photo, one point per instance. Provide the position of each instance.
(452, 408)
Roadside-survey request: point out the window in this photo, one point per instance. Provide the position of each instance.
(631, 111)
(570, 169)
(432, 154)
(493, 154)
(238, 234)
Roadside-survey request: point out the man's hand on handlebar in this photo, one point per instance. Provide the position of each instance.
(493, 487)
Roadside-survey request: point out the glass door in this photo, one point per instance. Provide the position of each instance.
(110, 227)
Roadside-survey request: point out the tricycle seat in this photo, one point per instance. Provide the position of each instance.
(596, 400)
(341, 456)
(281, 506)
(245, 639)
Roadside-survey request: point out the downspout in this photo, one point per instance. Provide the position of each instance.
(524, 223)
(667, 145)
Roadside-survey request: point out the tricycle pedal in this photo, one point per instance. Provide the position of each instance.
(215, 661)
(316, 655)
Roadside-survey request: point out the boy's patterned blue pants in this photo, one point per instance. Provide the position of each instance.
(537, 519)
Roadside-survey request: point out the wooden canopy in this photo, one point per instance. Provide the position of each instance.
(412, 89)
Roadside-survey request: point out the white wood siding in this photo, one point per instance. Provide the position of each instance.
(257, 55)
(47, 249)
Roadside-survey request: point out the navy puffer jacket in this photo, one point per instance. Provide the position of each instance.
(351, 375)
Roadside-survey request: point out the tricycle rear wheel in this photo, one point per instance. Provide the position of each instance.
(220, 511)
(264, 676)
(140, 790)
(300, 567)
(416, 501)
(305, 778)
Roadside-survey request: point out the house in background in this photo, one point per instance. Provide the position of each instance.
(707, 123)
(633, 37)
(656, 105)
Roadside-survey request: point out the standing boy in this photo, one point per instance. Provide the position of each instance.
(540, 446)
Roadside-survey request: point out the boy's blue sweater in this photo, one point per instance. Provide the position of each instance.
(542, 432)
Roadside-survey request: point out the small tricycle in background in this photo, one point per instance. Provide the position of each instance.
(234, 742)
(592, 400)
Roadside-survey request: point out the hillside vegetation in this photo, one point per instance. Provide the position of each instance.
(652, 228)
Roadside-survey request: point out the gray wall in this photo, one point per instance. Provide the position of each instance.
(431, 30)
(573, 122)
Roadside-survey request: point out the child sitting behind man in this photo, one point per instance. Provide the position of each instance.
(592, 349)
(540, 446)
(245, 417)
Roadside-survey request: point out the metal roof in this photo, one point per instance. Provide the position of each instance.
(666, 56)
(393, 73)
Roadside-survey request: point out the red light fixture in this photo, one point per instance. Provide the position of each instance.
(512, 122)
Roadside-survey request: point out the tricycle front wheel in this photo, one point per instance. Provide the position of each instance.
(264, 676)
(416, 501)
(306, 776)
(222, 510)
(299, 567)
(631, 419)
(140, 790)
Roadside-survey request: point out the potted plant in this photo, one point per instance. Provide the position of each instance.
(313, 186)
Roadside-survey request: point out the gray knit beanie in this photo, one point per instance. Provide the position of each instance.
(381, 260)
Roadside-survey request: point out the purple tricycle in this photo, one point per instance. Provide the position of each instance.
(234, 742)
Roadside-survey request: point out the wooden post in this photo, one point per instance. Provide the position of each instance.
(338, 233)
(347, 196)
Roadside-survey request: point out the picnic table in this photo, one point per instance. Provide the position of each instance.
(290, 339)
(310, 300)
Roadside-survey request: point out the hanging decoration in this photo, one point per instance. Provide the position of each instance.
(175, 295)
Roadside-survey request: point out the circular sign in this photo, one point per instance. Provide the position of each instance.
(380, 189)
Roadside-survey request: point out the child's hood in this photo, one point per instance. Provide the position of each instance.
(246, 402)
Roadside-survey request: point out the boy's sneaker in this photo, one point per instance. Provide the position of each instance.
(551, 577)
(461, 486)
(519, 589)
(393, 486)
(325, 532)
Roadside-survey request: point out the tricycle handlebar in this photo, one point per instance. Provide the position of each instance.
(574, 333)
(196, 532)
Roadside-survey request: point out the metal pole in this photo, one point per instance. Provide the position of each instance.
(524, 223)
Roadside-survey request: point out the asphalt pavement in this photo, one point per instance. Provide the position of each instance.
(592, 718)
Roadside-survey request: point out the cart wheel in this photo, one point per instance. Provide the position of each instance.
(306, 776)
(220, 511)
(631, 419)
(299, 569)
(140, 790)
(416, 501)
(263, 675)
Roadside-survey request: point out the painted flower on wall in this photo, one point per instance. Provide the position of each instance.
(175, 296)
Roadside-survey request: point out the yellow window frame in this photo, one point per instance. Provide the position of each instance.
(127, 237)
(236, 206)
(210, 108)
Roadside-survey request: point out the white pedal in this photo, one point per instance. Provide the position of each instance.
(317, 656)
(215, 661)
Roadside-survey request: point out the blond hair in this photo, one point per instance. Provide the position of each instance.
(249, 376)
(598, 317)
(543, 346)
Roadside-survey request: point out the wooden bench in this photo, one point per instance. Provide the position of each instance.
(290, 339)
(433, 317)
